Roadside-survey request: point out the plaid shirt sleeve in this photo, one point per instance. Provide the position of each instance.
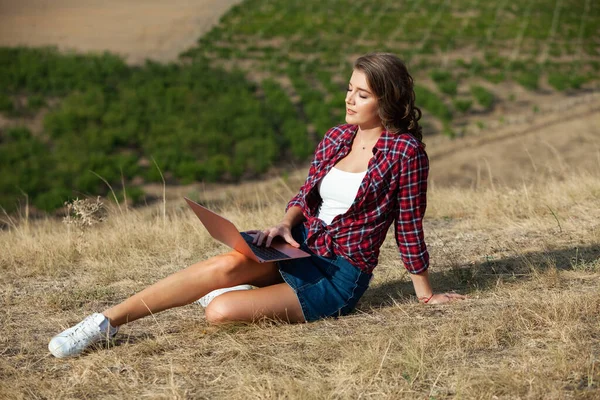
(412, 202)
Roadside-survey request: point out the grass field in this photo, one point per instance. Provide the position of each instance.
(528, 259)
(512, 220)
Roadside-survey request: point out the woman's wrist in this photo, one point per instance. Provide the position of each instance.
(423, 289)
(291, 217)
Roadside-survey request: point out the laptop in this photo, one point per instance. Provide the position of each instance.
(225, 232)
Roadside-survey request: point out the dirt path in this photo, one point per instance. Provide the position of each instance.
(553, 144)
(154, 29)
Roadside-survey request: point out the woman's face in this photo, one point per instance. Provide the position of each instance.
(361, 103)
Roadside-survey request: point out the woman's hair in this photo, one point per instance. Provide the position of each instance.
(391, 83)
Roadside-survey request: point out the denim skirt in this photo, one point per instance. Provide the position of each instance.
(326, 287)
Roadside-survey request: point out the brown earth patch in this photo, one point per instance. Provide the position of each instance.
(550, 144)
(152, 29)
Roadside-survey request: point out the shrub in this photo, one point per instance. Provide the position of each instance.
(6, 103)
(134, 195)
(445, 81)
(432, 103)
(52, 199)
(35, 102)
(558, 81)
(449, 87)
(528, 79)
(483, 96)
(495, 77)
(494, 61)
(576, 81)
(463, 105)
(440, 75)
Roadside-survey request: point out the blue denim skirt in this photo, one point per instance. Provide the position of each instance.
(326, 287)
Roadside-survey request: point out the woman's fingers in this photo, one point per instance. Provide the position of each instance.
(259, 238)
(269, 234)
(264, 237)
(269, 239)
(288, 238)
(284, 233)
(441, 298)
(456, 296)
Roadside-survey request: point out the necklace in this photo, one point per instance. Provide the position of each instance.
(362, 143)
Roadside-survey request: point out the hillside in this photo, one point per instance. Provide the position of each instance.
(280, 69)
(560, 138)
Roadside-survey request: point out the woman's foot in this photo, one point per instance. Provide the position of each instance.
(71, 342)
(204, 301)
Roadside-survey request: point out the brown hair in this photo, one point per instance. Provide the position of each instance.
(389, 79)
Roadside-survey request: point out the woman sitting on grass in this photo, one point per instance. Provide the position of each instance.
(364, 176)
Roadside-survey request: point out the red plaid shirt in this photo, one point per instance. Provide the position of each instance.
(394, 189)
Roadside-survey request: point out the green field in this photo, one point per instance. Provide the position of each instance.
(262, 87)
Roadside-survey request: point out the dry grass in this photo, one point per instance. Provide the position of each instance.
(528, 258)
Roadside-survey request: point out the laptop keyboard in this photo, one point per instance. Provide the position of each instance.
(266, 253)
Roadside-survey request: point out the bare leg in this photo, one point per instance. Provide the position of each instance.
(277, 301)
(190, 284)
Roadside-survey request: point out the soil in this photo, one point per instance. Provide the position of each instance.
(138, 30)
(560, 138)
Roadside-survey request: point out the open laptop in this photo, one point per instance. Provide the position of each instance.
(225, 232)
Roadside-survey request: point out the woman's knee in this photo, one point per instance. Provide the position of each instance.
(222, 266)
(219, 311)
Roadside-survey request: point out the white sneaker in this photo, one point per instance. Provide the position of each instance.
(76, 339)
(204, 301)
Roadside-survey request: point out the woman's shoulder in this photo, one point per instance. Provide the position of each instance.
(402, 145)
(339, 131)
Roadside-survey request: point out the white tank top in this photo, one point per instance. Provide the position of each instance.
(338, 190)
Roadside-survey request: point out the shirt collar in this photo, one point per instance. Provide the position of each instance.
(383, 144)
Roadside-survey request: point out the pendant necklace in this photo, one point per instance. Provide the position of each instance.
(362, 144)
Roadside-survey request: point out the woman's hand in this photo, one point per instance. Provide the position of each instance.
(266, 236)
(441, 298)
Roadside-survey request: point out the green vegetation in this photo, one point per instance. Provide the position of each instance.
(6, 104)
(463, 105)
(197, 122)
(432, 103)
(564, 81)
(24, 167)
(200, 122)
(445, 82)
(528, 79)
(483, 96)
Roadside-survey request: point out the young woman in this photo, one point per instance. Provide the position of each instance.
(364, 176)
